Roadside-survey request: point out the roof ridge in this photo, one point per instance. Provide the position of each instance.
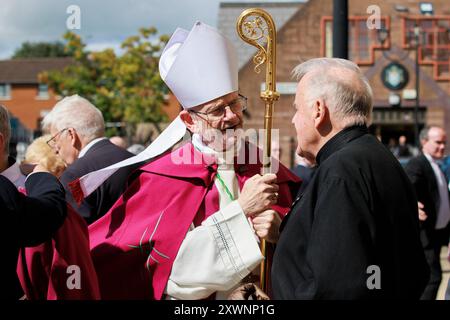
(25, 71)
(38, 59)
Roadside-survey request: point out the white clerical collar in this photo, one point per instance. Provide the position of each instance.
(13, 174)
(200, 146)
(89, 145)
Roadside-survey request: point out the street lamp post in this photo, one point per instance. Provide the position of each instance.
(426, 9)
(340, 29)
(416, 106)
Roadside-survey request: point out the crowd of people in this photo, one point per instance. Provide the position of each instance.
(184, 218)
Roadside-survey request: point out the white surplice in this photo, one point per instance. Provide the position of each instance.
(215, 256)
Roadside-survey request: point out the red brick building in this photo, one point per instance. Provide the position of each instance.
(307, 34)
(20, 91)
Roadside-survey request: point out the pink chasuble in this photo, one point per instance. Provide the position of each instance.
(135, 244)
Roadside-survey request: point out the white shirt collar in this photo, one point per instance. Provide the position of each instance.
(429, 158)
(89, 145)
(443, 209)
(14, 175)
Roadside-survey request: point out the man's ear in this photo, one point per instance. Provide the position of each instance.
(74, 138)
(320, 112)
(185, 116)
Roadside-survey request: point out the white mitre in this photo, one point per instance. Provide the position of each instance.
(199, 66)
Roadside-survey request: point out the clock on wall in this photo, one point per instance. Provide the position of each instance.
(395, 76)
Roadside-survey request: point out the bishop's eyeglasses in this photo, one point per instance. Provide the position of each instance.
(218, 112)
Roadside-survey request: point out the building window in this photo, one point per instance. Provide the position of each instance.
(42, 92)
(328, 39)
(5, 91)
(362, 41)
(434, 42)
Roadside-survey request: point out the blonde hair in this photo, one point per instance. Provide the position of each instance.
(40, 152)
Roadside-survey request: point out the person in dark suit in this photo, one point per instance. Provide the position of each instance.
(431, 187)
(403, 149)
(304, 170)
(29, 220)
(78, 130)
(353, 233)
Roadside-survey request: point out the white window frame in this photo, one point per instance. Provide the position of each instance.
(7, 96)
(40, 95)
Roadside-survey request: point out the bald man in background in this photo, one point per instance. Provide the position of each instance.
(432, 192)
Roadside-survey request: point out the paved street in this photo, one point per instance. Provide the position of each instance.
(445, 274)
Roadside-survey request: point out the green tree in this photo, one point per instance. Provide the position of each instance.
(40, 50)
(126, 88)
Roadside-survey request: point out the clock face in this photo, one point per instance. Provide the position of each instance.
(395, 76)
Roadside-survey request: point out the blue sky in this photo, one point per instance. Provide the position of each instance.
(104, 23)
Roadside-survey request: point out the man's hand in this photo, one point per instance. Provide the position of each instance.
(267, 225)
(258, 194)
(247, 291)
(422, 215)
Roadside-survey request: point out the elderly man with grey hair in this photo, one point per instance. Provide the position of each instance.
(77, 128)
(353, 233)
